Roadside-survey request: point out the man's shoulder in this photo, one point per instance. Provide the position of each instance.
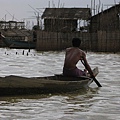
(81, 50)
(67, 49)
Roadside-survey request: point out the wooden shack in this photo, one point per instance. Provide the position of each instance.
(107, 20)
(59, 23)
(64, 19)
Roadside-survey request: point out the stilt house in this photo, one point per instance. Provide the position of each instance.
(107, 20)
(64, 19)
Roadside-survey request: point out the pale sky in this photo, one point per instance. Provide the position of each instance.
(20, 9)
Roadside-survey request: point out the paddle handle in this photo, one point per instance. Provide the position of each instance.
(94, 79)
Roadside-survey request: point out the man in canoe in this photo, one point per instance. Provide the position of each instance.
(72, 56)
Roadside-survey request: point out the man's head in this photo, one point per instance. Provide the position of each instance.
(76, 42)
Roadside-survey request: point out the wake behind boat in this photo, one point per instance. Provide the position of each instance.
(17, 85)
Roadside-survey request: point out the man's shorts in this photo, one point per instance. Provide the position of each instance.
(73, 72)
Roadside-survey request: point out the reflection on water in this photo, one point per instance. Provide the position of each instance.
(91, 104)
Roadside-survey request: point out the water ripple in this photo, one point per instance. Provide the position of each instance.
(90, 104)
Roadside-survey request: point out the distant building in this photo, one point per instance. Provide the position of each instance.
(15, 30)
(107, 20)
(64, 19)
(12, 25)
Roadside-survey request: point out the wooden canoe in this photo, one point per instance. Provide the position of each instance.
(16, 85)
(19, 44)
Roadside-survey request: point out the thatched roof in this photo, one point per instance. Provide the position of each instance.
(67, 13)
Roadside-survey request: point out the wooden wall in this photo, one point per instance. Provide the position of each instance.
(109, 41)
(101, 41)
(56, 25)
(58, 41)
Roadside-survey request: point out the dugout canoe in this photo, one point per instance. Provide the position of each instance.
(17, 85)
(19, 44)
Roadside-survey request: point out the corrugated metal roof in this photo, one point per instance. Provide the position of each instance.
(115, 7)
(67, 13)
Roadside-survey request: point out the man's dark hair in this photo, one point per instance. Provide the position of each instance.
(76, 42)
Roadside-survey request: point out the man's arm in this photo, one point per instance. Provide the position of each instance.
(87, 66)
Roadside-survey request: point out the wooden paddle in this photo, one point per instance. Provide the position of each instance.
(94, 79)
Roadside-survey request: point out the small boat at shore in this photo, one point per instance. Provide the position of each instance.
(19, 44)
(17, 85)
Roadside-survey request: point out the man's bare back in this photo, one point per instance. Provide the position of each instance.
(73, 55)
